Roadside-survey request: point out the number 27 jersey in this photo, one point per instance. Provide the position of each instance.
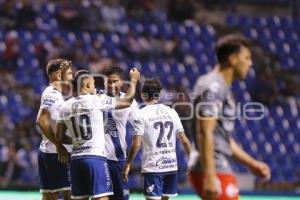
(158, 124)
(83, 116)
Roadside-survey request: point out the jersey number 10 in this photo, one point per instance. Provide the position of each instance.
(82, 127)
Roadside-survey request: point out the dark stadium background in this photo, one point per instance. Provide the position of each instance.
(171, 39)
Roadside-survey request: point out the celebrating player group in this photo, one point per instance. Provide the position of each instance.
(83, 151)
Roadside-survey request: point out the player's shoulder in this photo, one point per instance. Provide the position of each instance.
(165, 107)
(100, 92)
(68, 102)
(75, 103)
(169, 109)
(211, 82)
(155, 109)
(134, 103)
(144, 108)
(207, 81)
(51, 91)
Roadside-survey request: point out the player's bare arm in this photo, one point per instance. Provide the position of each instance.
(186, 143)
(60, 137)
(60, 134)
(135, 146)
(43, 121)
(127, 100)
(258, 168)
(205, 141)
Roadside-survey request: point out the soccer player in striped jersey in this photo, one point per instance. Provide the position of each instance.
(157, 127)
(82, 115)
(115, 122)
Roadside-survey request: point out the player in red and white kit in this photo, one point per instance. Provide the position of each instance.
(212, 175)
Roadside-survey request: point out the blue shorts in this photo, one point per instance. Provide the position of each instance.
(120, 188)
(160, 184)
(90, 177)
(54, 176)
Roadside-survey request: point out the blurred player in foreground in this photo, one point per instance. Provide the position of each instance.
(212, 175)
(54, 176)
(157, 127)
(82, 115)
(115, 132)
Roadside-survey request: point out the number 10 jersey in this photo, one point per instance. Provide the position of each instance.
(158, 124)
(83, 116)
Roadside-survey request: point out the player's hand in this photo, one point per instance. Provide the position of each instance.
(125, 172)
(63, 154)
(210, 187)
(65, 65)
(134, 74)
(261, 170)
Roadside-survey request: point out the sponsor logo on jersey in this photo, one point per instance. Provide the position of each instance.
(165, 162)
(49, 100)
(81, 149)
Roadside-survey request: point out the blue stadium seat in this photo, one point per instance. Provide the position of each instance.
(165, 67)
(231, 20)
(136, 27)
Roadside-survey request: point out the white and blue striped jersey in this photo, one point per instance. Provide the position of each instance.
(159, 125)
(83, 116)
(51, 100)
(115, 123)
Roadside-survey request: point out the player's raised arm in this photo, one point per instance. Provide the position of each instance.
(127, 100)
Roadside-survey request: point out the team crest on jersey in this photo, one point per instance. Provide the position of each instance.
(76, 106)
(214, 87)
(161, 111)
(111, 127)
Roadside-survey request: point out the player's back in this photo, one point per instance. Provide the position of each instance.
(83, 117)
(161, 124)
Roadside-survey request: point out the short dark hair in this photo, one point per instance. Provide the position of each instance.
(113, 70)
(228, 45)
(151, 89)
(80, 75)
(54, 65)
